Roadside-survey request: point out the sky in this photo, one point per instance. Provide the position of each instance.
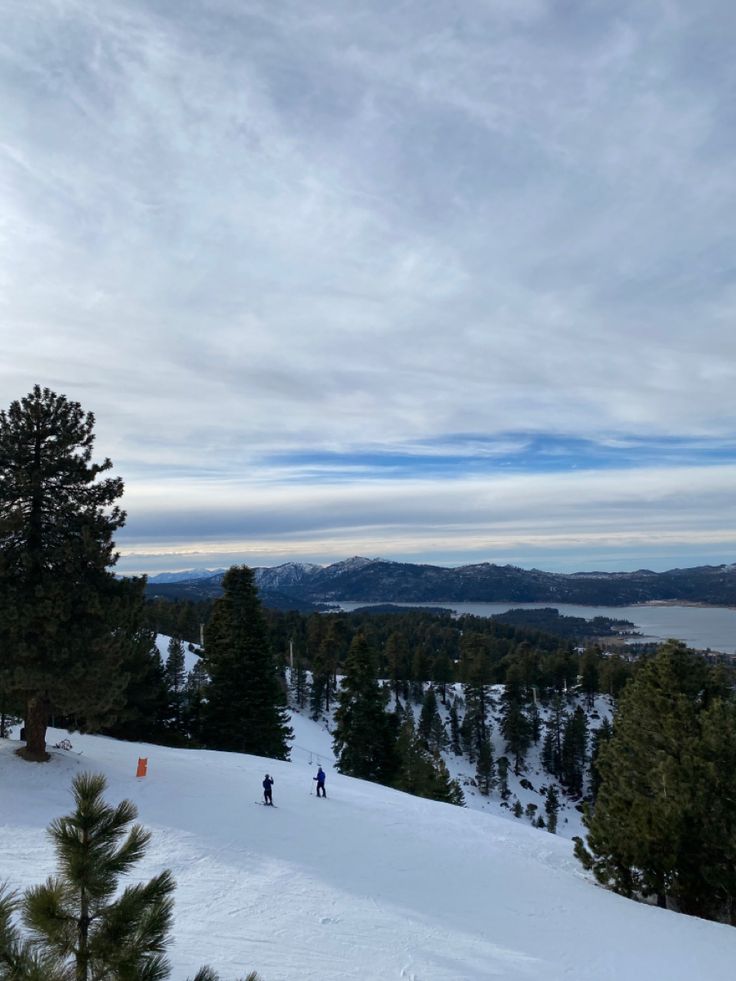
(446, 282)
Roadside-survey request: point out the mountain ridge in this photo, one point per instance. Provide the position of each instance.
(380, 580)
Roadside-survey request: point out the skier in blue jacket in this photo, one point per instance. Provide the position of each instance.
(267, 784)
(320, 778)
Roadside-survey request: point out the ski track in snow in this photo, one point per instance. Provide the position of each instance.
(369, 884)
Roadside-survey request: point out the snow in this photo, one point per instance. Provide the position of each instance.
(569, 819)
(368, 884)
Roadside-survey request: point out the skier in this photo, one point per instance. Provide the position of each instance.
(320, 778)
(267, 784)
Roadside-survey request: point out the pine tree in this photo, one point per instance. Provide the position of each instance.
(324, 669)
(318, 687)
(245, 709)
(420, 672)
(414, 768)
(548, 752)
(485, 768)
(467, 736)
(552, 808)
(502, 768)
(574, 747)
(438, 741)
(398, 664)
(600, 737)
(299, 685)
(706, 883)
(442, 674)
(176, 679)
(515, 725)
(552, 748)
(447, 789)
(145, 712)
(194, 704)
(651, 827)
(535, 722)
(590, 676)
(65, 620)
(455, 729)
(477, 674)
(78, 927)
(361, 736)
(421, 773)
(431, 730)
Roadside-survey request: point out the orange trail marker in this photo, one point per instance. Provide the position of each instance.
(142, 766)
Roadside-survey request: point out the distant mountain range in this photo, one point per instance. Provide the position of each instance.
(185, 575)
(300, 586)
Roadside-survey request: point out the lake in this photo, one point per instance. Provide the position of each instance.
(703, 627)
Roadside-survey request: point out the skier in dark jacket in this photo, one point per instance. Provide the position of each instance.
(320, 778)
(267, 784)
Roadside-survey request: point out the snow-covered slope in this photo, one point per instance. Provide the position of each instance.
(368, 884)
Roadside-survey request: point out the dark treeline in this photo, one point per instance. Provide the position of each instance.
(178, 618)
(416, 645)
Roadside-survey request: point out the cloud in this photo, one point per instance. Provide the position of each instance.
(245, 231)
(609, 513)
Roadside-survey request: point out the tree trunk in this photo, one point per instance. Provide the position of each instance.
(37, 717)
(82, 971)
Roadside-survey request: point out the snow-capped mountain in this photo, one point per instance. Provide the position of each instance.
(185, 575)
(280, 577)
(382, 581)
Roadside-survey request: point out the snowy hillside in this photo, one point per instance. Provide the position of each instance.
(368, 884)
(528, 787)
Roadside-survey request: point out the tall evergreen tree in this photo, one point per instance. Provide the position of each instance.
(324, 671)
(319, 685)
(420, 672)
(428, 717)
(552, 747)
(651, 828)
(707, 875)
(176, 676)
(245, 700)
(420, 772)
(362, 736)
(590, 676)
(398, 664)
(298, 682)
(455, 729)
(146, 708)
(535, 722)
(502, 768)
(600, 737)
(65, 620)
(574, 749)
(442, 674)
(515, 725)
(485, 768)
(478, 676)
(552, 808)
(194, 702)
